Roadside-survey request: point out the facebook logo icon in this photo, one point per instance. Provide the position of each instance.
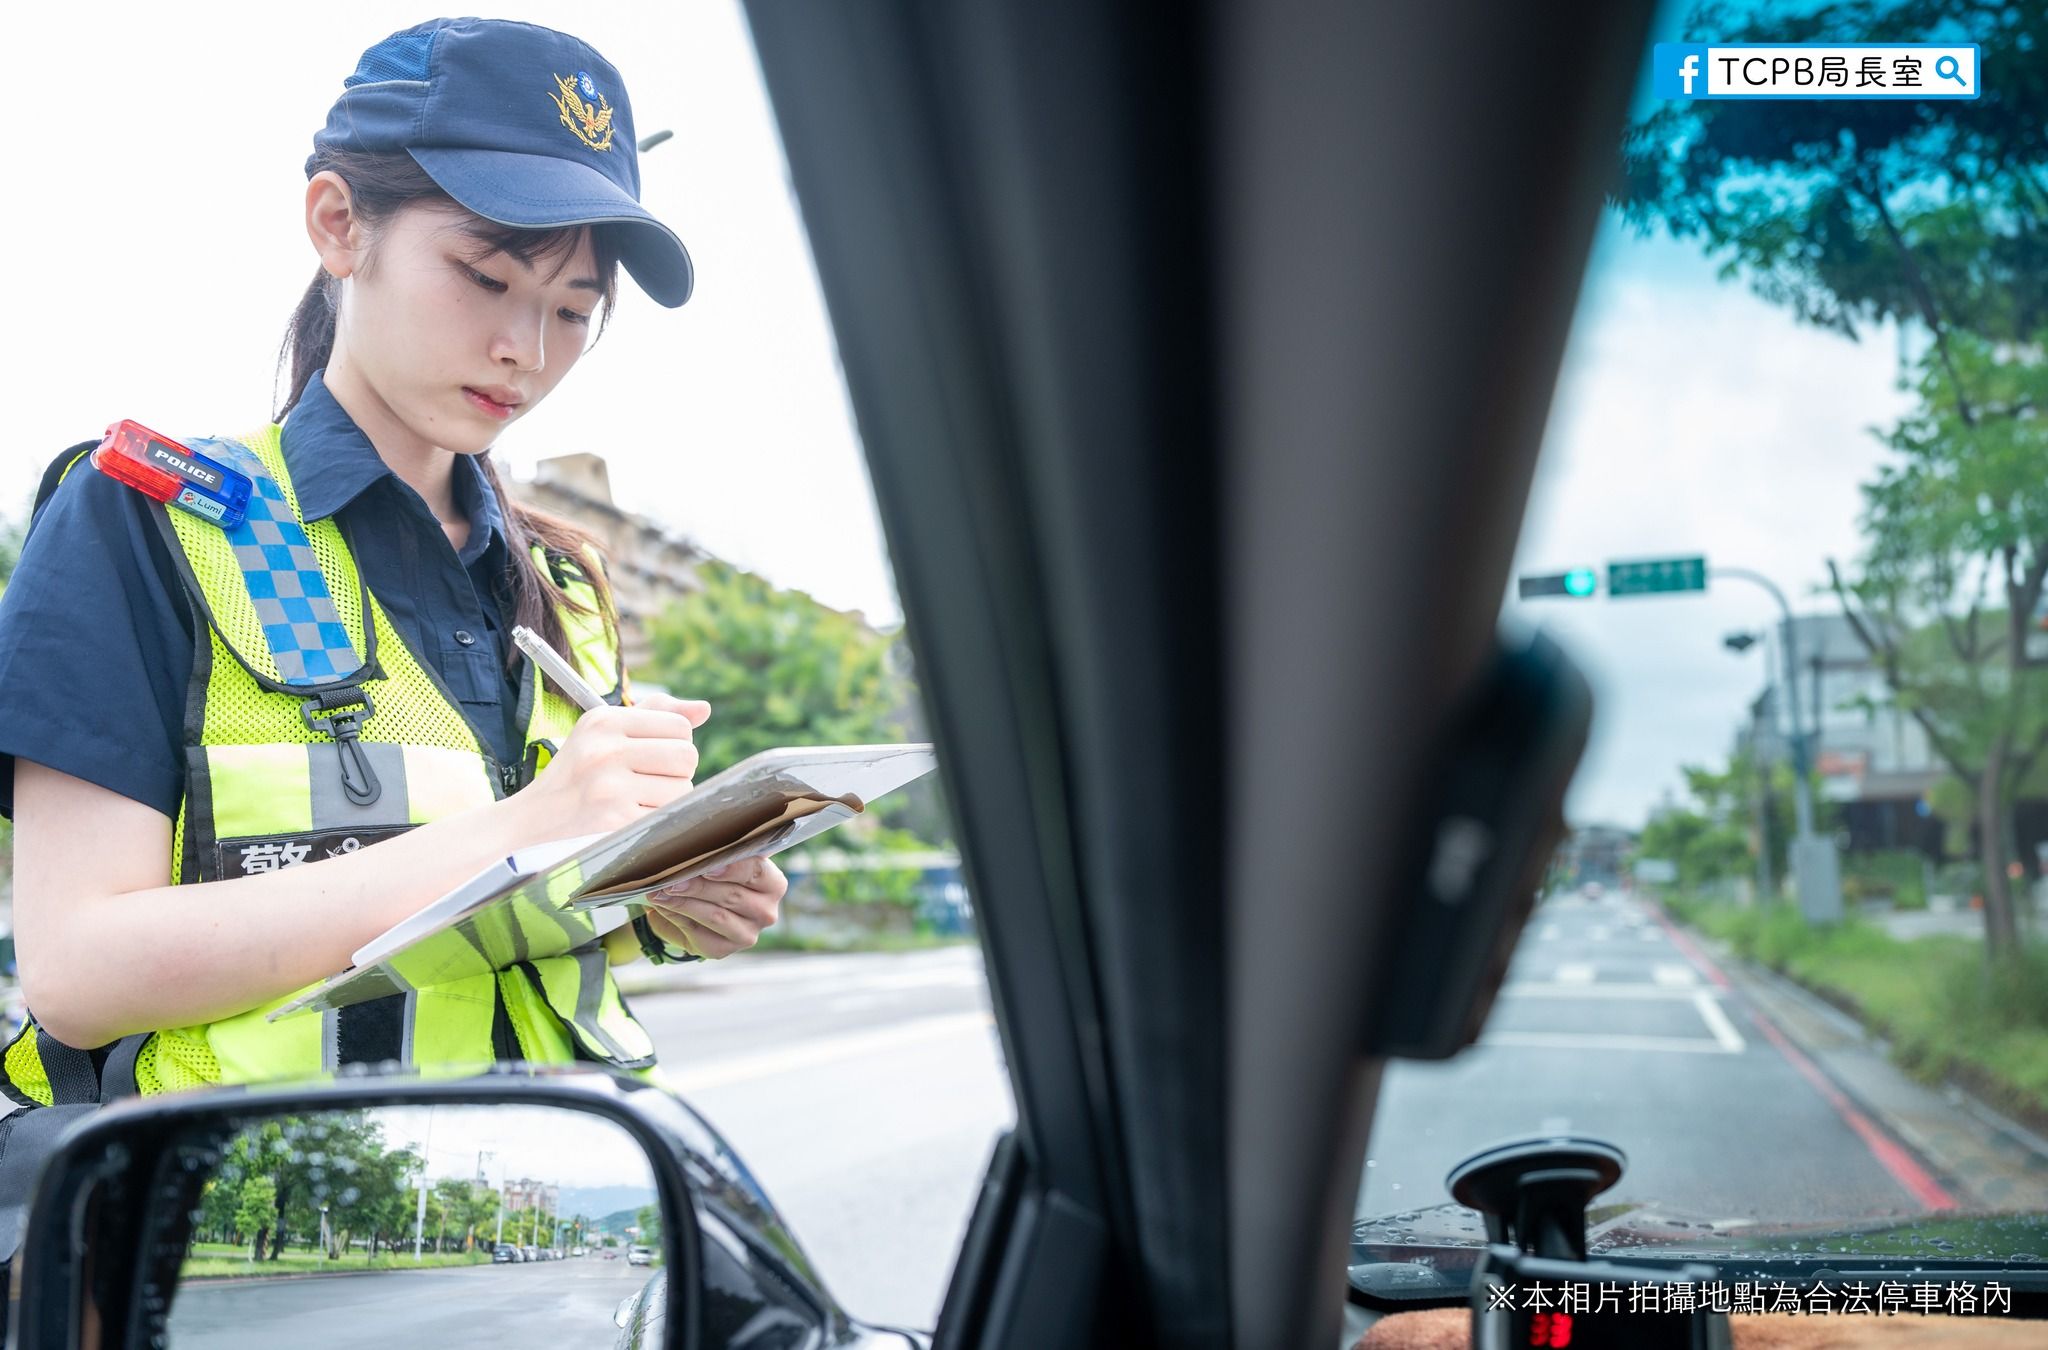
(1679, 69)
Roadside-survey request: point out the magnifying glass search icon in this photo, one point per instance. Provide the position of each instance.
(1948, 69)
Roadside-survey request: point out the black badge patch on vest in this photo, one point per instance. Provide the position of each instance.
(247, 856)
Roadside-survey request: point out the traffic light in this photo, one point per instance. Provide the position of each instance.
(1656, 576)
(1577, 584)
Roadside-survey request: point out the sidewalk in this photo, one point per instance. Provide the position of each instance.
(1987, 1161)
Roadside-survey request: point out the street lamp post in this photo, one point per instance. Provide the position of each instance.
(1816, 871)
(1739, 643)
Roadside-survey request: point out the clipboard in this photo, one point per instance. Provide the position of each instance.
(764, 804)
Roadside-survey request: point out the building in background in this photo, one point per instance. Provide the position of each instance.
(651, 566)
(526, 1193)
(1873, 759)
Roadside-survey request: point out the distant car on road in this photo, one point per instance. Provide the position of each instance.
(504, 1254)
(1593, 890)
(640, 1256)
(609, 1253)
(532, 1254)
(578, 1251)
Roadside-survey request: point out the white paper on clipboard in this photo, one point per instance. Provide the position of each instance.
(764, 804)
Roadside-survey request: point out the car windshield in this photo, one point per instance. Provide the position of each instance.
(1791, 517)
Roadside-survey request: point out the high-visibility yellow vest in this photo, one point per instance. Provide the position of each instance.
(276, 779)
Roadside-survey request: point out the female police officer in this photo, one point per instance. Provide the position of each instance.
(237, 713)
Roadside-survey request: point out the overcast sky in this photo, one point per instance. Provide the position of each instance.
(1692, 418)
(166, 249)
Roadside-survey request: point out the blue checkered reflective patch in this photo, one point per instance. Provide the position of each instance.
(306, 636)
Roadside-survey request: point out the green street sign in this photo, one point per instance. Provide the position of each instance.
(1656, 576)
(1577, 584)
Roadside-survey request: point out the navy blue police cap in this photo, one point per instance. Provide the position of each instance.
(520, 124)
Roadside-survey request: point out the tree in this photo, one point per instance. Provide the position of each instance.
(255, 1210)
(1934, 216)
(219, 1202)
(648, 1217)
(777, 667)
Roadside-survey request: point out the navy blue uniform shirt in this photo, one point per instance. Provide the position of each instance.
(96, 632)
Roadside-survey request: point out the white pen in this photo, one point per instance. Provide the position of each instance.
(560, 671)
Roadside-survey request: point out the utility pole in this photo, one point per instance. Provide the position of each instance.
(419, 1221)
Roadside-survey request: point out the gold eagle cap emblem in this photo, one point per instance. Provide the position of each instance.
(590, 124)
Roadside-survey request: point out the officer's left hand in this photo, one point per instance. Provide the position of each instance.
(721, 912)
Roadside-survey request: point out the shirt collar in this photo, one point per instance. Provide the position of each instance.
(331, 463)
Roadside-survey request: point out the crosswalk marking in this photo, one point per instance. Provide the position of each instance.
(1674, 973)
(1575, 972)
(1717, 1022)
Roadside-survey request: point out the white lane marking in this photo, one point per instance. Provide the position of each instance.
(921, 979)
(830, 1050)
(1571, 1040)
(1717, 1022)
(1538, 989)
(1674, 973)
(1575, 972)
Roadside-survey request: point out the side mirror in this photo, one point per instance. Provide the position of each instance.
(400, 1211)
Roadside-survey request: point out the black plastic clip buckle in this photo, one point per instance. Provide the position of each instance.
(336, 713)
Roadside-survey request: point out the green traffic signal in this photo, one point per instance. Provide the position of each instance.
(1580, 581)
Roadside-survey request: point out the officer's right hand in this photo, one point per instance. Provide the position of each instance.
(617, 765)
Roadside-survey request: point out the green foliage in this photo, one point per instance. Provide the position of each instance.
(777, 667)
(1850, 213)
(648, 1217)
(1933, 216)
(1715, 838)
(867, 841)
(1704, 849)
(1895, 876)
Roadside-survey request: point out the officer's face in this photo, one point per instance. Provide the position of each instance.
(453, 346)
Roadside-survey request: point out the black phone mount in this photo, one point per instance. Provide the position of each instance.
(1533, 1194)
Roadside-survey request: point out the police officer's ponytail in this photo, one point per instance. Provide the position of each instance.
(379, 185)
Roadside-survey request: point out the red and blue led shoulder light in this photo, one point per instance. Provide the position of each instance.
(167, 471)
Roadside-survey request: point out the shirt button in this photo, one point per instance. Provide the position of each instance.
(464, 636)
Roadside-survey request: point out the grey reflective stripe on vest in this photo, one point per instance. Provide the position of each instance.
(332, 809)
(406, 1022)
(590, 996)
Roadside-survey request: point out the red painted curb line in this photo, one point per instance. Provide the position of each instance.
(1895, 1160)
